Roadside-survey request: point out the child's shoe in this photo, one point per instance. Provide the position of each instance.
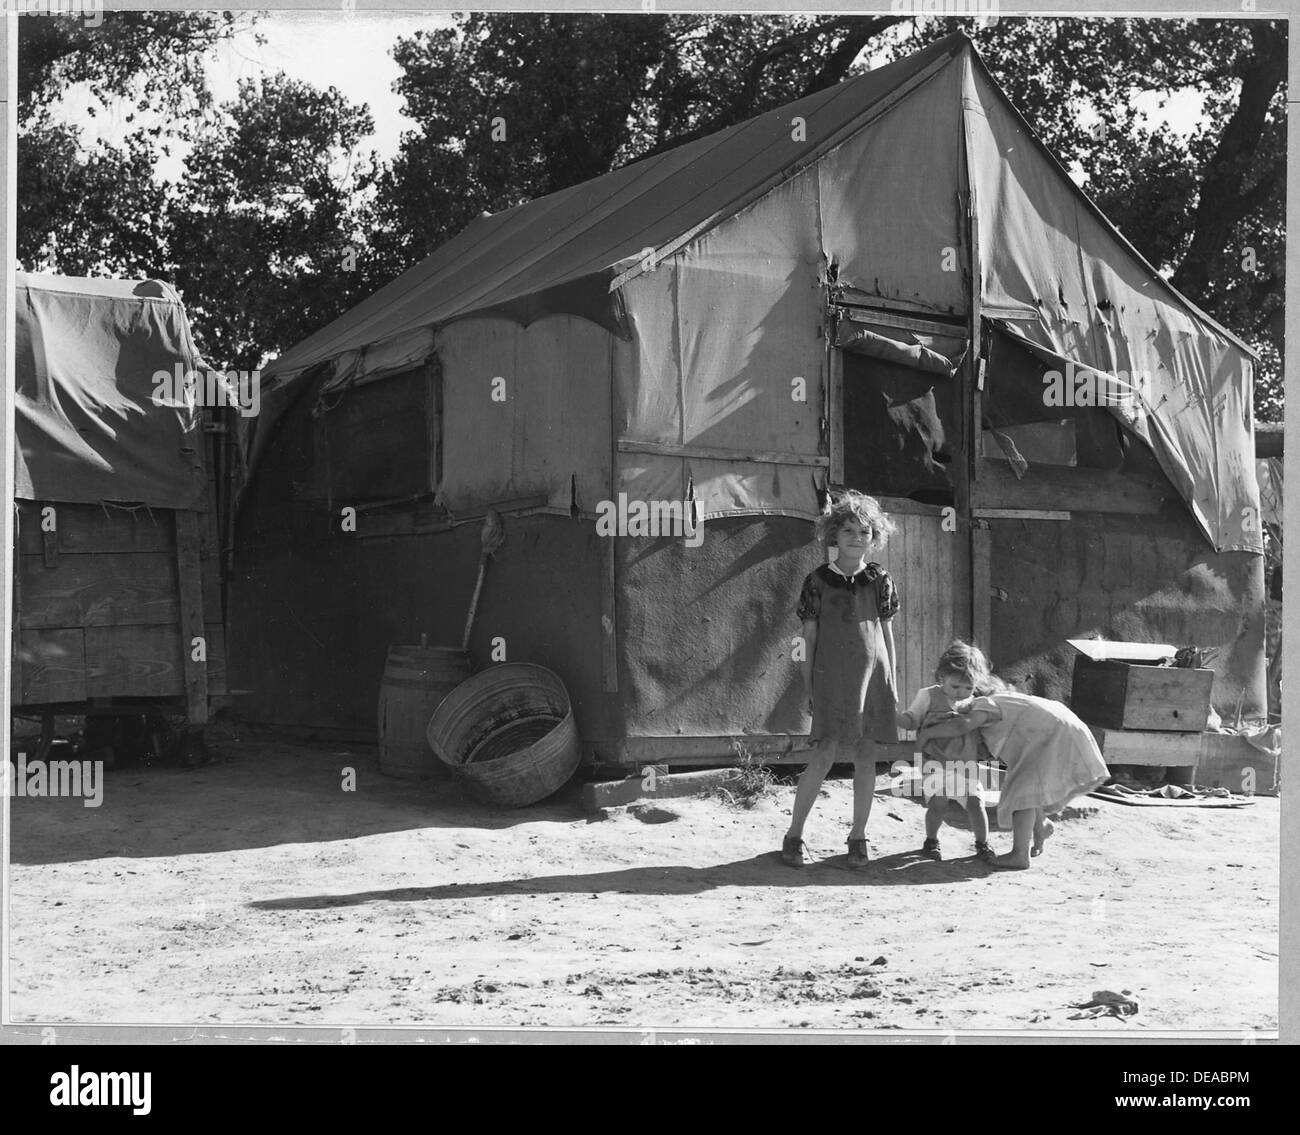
(930, 849)
(985, 853)
(858, 856)
(792, 851)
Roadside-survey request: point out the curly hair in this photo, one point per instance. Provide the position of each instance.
(967, 661)
(852, 505)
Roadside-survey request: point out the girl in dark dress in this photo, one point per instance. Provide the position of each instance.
(848, 665)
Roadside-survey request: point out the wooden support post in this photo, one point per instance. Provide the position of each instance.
(190, 590)
(608, 615)
(981, 585)
(433, 422)
(50, 545)
(972, 409)
(834, 410)
(608, 552)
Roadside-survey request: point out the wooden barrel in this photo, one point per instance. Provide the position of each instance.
(416, 679)
(508, 733)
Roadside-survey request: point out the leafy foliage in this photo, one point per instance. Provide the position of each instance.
(258, 230)
(86, 206)
(265, 213)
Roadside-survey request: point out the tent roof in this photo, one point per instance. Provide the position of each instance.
(570, 250)
(1047, 261)
(563, 252)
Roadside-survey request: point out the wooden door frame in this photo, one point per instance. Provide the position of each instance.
(972, 534)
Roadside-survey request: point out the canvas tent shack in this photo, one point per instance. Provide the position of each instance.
(872, 287)
(117, 597)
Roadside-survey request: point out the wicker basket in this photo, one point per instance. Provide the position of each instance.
(508, 734)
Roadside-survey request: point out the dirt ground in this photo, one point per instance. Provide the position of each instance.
(257, 890)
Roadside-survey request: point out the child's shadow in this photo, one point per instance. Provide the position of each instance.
(908, 868)
(911, 868)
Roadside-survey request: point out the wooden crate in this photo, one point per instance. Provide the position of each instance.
(1122, 695)
(1157, 749)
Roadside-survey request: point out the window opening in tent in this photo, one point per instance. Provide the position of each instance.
(900, 425)
(375, 441)
(1025, 423)
(899, 416)
(1042, 443)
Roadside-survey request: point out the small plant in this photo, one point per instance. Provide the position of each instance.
(751, 782)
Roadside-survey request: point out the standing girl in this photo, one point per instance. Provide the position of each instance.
(1051, 757)
(848, 669)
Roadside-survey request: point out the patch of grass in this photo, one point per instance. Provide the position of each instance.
(752, 782)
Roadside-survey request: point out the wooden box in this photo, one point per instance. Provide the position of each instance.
(1127, 695)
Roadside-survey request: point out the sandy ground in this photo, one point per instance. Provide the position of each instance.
(256, 890)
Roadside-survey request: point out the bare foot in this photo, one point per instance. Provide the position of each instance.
(1041, 833)
(1012, 862)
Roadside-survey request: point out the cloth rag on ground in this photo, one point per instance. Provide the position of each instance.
(1171, 795)
(1105, 1003)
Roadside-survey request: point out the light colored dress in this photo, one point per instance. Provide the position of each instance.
(1051, 756)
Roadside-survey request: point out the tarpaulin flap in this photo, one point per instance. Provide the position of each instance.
(897, 346)
(1069, 283)
(1066, 428)
(720, 487)
(725, 364)
(381, 360)
(1079, 384)
(889, 204)
(525, 411)
(102, 410)
(725, 331)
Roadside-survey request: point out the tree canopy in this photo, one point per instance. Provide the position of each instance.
(281, 221)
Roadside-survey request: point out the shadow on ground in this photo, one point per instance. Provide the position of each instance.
(259, 793)
(766, 870)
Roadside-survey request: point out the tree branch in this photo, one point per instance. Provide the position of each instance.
(838, 62)
(1223, 202)
(832, 70)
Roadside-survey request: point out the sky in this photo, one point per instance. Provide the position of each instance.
(351, 51)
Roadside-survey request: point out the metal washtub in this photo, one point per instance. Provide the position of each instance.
(508, 733)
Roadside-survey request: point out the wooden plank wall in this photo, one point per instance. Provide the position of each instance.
(922, 559)
(97, 613)
(99, 605)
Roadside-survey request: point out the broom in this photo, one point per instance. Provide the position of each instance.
(491, 538)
